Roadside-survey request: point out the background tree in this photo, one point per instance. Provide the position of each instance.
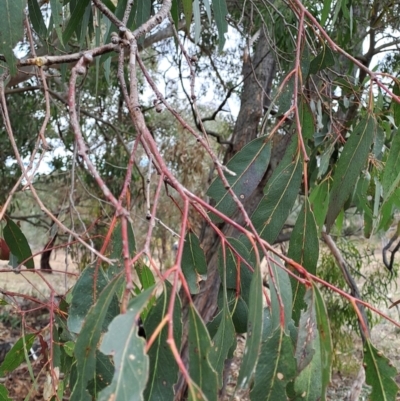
(125, 110)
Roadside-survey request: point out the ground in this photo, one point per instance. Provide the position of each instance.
(21, 384)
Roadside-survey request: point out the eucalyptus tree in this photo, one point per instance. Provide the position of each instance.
(135, 102)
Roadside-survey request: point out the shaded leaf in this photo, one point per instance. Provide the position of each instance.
(325, 341)
(88, 339)
(127, 349)
(16, 355)
(280, 194)
(254, 330)
(319, 198)
(83, 297)
(75, 19)
(303, 249)
(380, 374)
(11, 29)
(58, 18)
(194, 265)
(103, 375)
(391, 173)
(18, 244)
(306, 120)
(250, 165)
(280, 289)
(324, 59)
(396, 105)
(163, 367)
(187, 10)
(199, 345)
(36, 18)
(220, 12)
(353, 158)
(276, 367)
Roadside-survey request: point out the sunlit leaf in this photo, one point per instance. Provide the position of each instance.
(353, 158)
(4, 393)
(18, 244)
(187, 10)
(380, 374)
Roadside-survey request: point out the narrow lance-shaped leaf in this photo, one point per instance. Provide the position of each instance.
(281, 291)
(75, 19)
(11, 29)
(220, 12)
(16, 355)
(353, 158)
(163, 369)
(275, 369)
(380, 374)
(4, 393)
(127, 348)
(254, 330)
(249, 165)
(187, 10)
(194, 265)
(225, 335)
(199, 345)
(325, 341)
(86, 344)
(304, 249)
(280, 194)
(57, 16)
(391, 173)
(36, 17)
(18, 244)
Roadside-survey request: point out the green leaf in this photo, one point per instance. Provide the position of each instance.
(103, 375)
(4, 393)
(250, 165)
(224, 338)
(380, 374)
(275, 369)
(75, 19)
(199, 346)
(187, 10)
(396, 105)
(325, 341)
(254, 330)
(88, 339)
(325, 11)
(36, 18)
(82, 296)
(220, 12)
(391, 173)
(145, 275)
(319, 198)
(194, 265)
(197, 21)
(16, 355)
(306, 120)
(163, 367)
(324, 59)
(304, 249)
(18, 244)
(280, 194)
(352, 160)
(11, 29)
(280, 289)
(142, 15)
(58, 18)
(127, 349)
